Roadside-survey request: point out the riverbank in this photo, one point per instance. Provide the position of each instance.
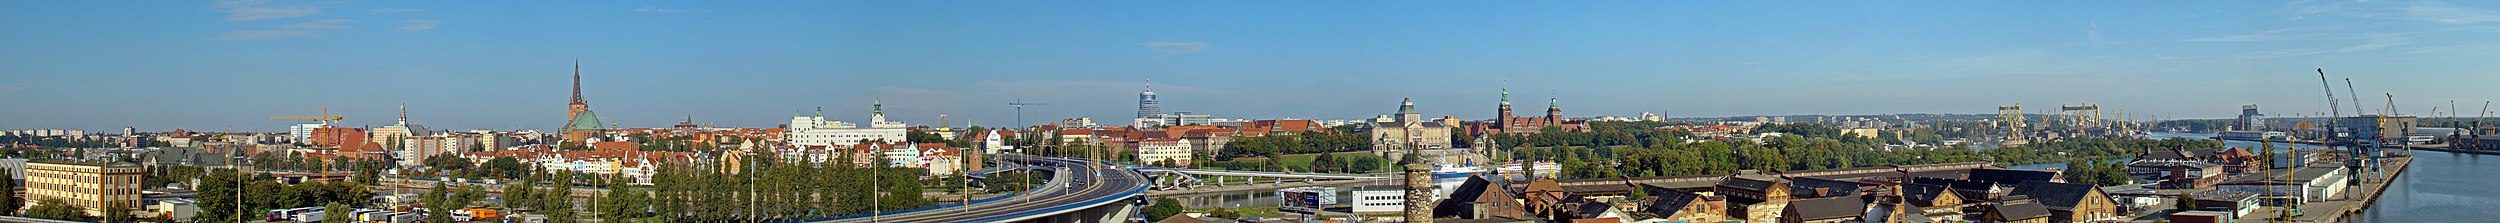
(2465, 151)
(2342, 209)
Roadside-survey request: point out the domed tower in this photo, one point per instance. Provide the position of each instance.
(1501, 119)
(1553, 112)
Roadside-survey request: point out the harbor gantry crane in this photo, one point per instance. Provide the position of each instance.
(2331, 106)
(2405, 131)
(325, 118)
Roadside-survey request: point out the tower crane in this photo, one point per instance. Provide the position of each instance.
(325, 118)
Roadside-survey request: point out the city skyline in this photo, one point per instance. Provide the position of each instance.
(227, 65)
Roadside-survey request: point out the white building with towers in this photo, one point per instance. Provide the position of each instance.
(815, 130)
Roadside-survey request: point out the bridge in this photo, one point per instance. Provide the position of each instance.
(1168, 181)
(1080, 191)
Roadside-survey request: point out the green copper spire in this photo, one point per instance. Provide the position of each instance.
(1506, 96)
(1407, 106)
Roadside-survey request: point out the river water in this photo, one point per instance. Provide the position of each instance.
(2442, 187)
(2437, 187)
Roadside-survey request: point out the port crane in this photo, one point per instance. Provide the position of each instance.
(2405, 135)
(2331, 105)
(2478, 118)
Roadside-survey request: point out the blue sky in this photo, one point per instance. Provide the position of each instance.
(504, 65)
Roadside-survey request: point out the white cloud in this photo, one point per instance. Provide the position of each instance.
(261, 34)
(655, 9)
(248, 10)
(394, 10)
(2095, 34)
(323, 24)
(414, 25)
(1177, 47)
(289, 30)
(2268, 35)
(2435, 11)
(6, 88)
(2377, 41)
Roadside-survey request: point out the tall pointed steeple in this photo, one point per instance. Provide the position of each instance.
(577, 83)
(403, 114)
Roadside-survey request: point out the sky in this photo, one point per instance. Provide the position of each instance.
(505, 65)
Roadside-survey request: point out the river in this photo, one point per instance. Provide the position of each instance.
(2437, 187)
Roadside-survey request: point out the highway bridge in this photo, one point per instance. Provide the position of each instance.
(1173, 179)
(1079, 191)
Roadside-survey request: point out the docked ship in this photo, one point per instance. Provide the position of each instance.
(2262, 136)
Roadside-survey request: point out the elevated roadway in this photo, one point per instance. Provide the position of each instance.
(1079, 191)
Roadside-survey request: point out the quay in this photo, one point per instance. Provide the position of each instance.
(2445, 148)
(2342, 209)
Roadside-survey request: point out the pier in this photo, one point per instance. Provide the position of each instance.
(2349, 207)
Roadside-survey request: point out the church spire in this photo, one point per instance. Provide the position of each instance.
(577, 82)
(403, 113)
(1505, 96)
(877, 107)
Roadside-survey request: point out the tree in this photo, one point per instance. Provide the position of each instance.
(559, 201)
(2081, 173)
(368, 176)
(1163, 208)
(338, 212)
(2185, 202)
(1225, 213)
(505, 168)
(119, 212)
(8, 201)
(517, 194)
(218, 197)
(437, 199)
(622, 202)
(56, 209)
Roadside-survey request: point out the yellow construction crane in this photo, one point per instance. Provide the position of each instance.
(325, 117)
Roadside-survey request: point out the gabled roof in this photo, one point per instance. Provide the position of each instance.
(1828, 208)
(585, 121)
(1954, 183)
(2011, 177)
(1591, 209)
(2057, 196)
(1477, 189)
(1748, 183)
(1925, 195)
(1882, 212)
(1804, 185)
(2018, 210)
(1667, 202)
